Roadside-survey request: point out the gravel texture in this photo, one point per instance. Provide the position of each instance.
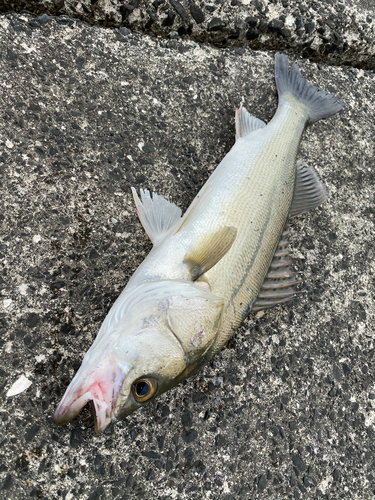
(325, 31)
(287, 410)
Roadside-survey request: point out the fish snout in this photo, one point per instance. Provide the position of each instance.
(101, 386)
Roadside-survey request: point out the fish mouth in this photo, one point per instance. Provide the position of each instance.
(102, 421)
(101, 391)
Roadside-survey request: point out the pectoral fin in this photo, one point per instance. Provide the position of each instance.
(209, 251)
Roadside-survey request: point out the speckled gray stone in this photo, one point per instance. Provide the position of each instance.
(286, 411)
(324, 31)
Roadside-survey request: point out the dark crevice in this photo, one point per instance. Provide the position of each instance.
(315, 39)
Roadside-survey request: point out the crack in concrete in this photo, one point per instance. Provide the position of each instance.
(324, 32)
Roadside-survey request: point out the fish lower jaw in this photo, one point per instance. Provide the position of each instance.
(102, 411)
(102, 417)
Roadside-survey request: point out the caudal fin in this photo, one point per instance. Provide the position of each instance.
(320, 103)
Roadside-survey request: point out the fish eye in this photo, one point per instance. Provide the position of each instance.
(144, 389)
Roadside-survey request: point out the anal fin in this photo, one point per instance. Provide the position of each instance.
(281, 282)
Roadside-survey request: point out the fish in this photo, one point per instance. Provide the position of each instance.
(208, 269)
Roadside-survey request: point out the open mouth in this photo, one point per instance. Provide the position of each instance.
(101, 424)
(102, 404)
(101, 388)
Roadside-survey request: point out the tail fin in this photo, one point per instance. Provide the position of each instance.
(320, 103)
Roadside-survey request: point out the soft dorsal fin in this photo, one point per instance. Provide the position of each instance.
(157, 215)
(246, 123)
(209, 250)
(280, 284)
(309, 191)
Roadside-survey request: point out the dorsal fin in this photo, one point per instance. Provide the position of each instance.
(157, 215)
(281, 282)
(309, 191)
(246, 123)
(209, 250)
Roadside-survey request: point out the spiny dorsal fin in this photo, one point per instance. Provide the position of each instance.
(281, 281)
(309, 191)
(157, 215)
(246, 123)
(209, 251)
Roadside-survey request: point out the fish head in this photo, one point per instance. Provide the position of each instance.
(151, 340)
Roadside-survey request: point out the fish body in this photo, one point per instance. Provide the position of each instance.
(251, 190)
(208, 269)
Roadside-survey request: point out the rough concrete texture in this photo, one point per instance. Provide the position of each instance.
(287, 410)
(324, 30)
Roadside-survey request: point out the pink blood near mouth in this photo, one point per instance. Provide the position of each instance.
(106, 382)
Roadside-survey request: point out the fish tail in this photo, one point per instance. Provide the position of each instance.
(319, 103)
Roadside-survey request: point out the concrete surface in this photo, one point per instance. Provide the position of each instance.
(287, 410)
(324, 31)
